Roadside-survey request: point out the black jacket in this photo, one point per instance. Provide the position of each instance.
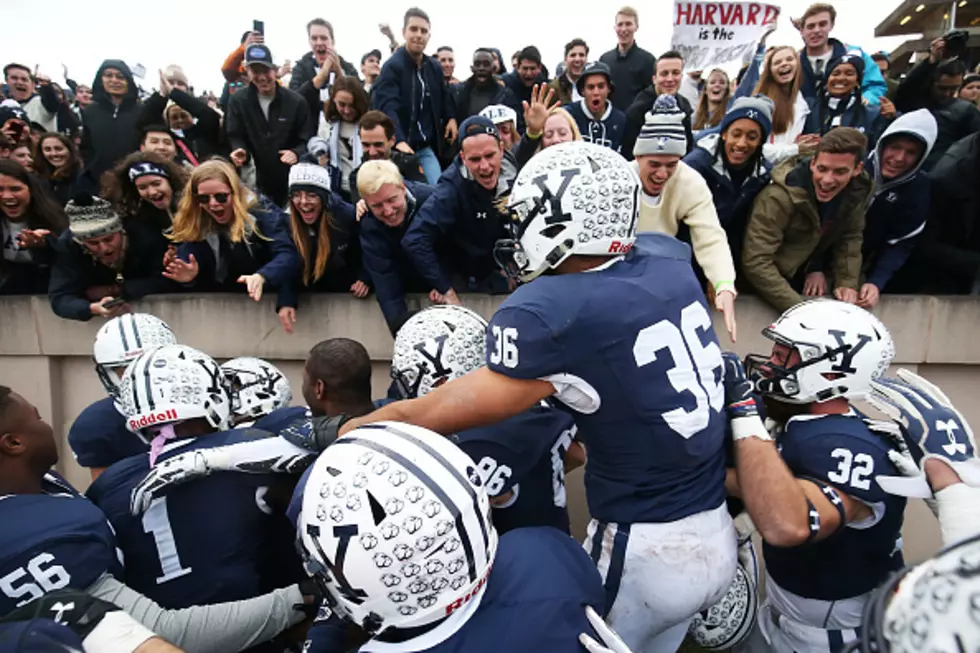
(390, 267)
(75, 270)
(631, 73)
(955, 118)
(947, 257)
(395, 91)
(108, 131)
(502, 96)
(26, 278)
(289, 127)
(203, 138)
(304, 70)
(408, 165)
(637, 112)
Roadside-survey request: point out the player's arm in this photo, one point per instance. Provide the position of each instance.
(232, 626)
(480, 398)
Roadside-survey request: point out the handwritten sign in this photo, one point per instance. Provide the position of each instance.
(714, 33)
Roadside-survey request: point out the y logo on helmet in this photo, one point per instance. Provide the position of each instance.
(432, 350)
(344, 533)
(554, 199)
(848, 352)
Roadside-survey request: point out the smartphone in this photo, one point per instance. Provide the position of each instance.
(258, 26)
(118, 301)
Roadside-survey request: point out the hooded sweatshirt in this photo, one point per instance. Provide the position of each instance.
(899, 207)
(109, 131)
(607, 131)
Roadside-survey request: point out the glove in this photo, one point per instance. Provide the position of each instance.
(611, 643)
(740, 402)
(316, 433)
(100, 625)
(930, 427)
(266, 454)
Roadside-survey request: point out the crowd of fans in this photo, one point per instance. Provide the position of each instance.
(812, 173)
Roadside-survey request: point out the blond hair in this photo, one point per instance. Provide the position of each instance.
(372, 175)
(192, 223)
(626, 10)
(558, 111)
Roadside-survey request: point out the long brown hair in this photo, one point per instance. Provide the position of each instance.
(192, 223)
(352, 86)
(783, 96)
(43, 212)
(118, 189)
(705, 117)
(301, 239)
(45, 170)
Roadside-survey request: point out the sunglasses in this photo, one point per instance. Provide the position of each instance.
(220, 198)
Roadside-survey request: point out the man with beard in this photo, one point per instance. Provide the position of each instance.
(102, 264)
(321, 54)
(483, 89)
(452, 240)
(377, 133)
(813, 210)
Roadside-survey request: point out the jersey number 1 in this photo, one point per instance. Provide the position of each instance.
(694, 368)
(156, 522)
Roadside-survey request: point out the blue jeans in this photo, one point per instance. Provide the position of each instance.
(430, 164)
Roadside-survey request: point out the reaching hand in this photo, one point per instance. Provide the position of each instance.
(930, 426)
(172, 471)
(360, 289)
(165, 86)
(725, 302)
(182, 271)
(254, 283)
(288, 157)
(33, 238)
(848, 295)
(287, 317)
(868, 298)
(609, 642)
(536, 113)
(815, 285)
(360, 209)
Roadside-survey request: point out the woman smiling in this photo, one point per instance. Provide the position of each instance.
(227, 237)
(145, 186)
(56, 161)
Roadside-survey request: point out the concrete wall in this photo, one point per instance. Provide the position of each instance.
(48, 360)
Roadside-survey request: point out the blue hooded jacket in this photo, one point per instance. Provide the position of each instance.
(873, 86)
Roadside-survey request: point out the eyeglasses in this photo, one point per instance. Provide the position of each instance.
(113, 75)
(220, 198)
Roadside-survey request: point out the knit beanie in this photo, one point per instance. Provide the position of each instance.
(311, 178)
(758, 108)
(91, 217)
(663, 130)
(855, 60)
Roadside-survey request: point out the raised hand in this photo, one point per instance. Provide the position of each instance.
(536, 113)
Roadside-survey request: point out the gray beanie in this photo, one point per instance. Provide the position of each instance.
(663, 130)
(91, 217)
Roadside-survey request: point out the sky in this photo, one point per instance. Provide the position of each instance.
(199, 34)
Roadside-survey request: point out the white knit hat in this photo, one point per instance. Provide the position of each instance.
(91, 217)
(311, 178)
(663, 130)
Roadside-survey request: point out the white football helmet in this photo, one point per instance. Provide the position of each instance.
(842, 349)
(934, 606)
(396, 528)
(574, 198)
(728, 622)
(172, 384)
(123, 339)
(257, 387)
(436, 345)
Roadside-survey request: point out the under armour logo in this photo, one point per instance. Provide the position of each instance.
(59, 609)
(948, 427)
(481, 215)
(891, 197)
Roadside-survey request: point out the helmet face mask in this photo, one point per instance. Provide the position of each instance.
(257, 388)
(570, 199)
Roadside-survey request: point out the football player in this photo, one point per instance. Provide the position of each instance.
(932, 606)
(830, 533)
(622, 336)
(98, 436)
(53, 538)
(260, 395)
(176, 397)
(522, 459)
(415, 562)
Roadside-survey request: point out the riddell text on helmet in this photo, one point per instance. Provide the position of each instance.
(169, 415)
(617, 247)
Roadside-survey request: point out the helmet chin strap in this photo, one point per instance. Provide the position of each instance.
(554, 257)
(161, 435)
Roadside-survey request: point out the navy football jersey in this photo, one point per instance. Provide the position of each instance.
(535, 598)
(51, 541)
(38, 636)
(524, 455)
(279, 419)
(98, 437)
(634, 339)
(841, 451)
(210, 541)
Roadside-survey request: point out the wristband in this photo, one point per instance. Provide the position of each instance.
(956, 506)
(750, 426)
(834, 497)
(533, 137)
(117, 633)
(813, 516)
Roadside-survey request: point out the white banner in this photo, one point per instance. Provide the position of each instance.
(715, 33)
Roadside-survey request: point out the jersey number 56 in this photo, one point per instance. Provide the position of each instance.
(46, 577)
